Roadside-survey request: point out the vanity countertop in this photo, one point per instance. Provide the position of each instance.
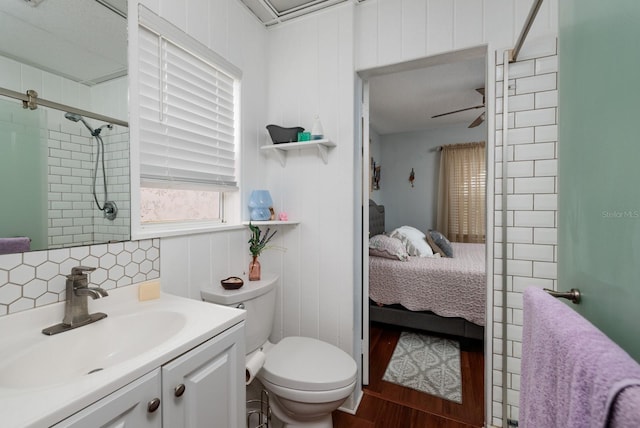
(44, 379)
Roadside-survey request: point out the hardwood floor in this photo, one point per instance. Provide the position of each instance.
(386, 405)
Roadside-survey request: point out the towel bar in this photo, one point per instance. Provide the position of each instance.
(573, 295)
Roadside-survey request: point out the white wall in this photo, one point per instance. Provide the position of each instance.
(311, 72)
(388, 31)
(111, 98)
(317, 79)
(416, 206)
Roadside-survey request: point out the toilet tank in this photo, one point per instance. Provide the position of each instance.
(258, 298)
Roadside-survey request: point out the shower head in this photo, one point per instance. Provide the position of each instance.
(73, 117)
(76, 117)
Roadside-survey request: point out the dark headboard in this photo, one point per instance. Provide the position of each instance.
(376, 219)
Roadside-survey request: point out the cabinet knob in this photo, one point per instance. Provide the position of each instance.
(153, 405)
(179, 390)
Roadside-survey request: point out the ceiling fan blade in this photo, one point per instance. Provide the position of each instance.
(458, 111)
(478, 120)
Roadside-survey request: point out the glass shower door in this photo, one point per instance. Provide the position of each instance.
(23, 173)
(599, 163)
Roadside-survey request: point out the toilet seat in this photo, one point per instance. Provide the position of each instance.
(309, 396)
(306, 364)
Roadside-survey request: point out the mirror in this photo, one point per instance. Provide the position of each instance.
(63, 175)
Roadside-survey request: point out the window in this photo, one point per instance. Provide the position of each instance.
(179, 205)
(462, 192)
(188, 104)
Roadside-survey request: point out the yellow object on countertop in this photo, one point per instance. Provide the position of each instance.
(149, 290)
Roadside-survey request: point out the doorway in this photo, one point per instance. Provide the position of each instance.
(446, 83)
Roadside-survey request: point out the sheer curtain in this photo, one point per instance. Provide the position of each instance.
(461, 192)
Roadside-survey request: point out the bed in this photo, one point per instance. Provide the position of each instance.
(441, 295)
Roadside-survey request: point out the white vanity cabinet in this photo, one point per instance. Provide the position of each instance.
(205, 387)
(133, 406)
(201, 388)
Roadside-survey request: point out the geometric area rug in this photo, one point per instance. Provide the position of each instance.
(428, 364)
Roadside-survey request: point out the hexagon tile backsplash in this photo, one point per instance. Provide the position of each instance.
(29, 280)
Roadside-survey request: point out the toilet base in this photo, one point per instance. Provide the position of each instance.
(326, 422)
(322, 421)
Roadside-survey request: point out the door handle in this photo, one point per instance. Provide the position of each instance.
(573, 295)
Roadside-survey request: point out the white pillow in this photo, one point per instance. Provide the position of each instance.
(388, 247)
(414, 240)
(412, 230)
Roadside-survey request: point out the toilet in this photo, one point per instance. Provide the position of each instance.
(306, 378)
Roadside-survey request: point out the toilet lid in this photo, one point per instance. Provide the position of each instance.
(308, 364)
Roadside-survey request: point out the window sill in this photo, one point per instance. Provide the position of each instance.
(164, 230)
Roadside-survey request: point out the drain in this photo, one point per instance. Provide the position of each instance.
(95, 370)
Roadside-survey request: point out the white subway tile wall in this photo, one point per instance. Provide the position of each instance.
(531, 251)
(116, 145)
(30, 280)
(73, 216)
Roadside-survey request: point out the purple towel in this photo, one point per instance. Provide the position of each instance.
(14, 245)
(571, 373)
(626, 409)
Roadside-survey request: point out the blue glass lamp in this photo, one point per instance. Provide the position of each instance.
(259, 203)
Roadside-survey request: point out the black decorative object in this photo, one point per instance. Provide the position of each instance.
(232, 283)
(284, 135)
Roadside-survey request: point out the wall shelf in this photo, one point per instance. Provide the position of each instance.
(281, 150)
(271, 223)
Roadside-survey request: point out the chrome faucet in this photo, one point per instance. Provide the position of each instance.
(76, 311)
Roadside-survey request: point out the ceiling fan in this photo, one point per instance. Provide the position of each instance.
(478, 120)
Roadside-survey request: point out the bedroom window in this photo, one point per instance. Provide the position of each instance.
(462, 192)
(189, 130)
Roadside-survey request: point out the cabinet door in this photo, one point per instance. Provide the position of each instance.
(129, 407)
(205, 387)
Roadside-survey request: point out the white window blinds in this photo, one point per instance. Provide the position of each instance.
(187, 110)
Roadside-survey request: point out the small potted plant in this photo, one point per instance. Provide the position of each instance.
(257, 243)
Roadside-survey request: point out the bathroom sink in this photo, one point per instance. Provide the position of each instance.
(89, 349)
(66, 372)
